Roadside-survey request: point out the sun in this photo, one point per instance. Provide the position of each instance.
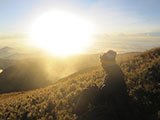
(61, 33)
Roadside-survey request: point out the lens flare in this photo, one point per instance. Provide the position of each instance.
(61, 33)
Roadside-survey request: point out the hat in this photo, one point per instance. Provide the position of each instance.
(108, 57)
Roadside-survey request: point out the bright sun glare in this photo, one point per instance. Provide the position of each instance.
(61, 33)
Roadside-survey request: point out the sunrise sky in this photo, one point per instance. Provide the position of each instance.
(108, 16)
(56, 25)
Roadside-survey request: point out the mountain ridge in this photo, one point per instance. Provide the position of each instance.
(55, 101)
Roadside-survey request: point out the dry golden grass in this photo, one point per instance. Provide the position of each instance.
(142, 74)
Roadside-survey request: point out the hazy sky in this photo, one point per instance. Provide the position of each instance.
(108, 16)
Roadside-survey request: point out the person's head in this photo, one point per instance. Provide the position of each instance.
(108, 58)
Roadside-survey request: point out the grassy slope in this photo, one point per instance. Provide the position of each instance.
(142, 72)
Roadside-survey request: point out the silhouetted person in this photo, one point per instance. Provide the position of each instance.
(110, 100)
(114, 81)
(114, 90)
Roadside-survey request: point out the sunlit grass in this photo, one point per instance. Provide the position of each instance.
(55, 101)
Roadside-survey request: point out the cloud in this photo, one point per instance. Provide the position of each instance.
(5, 36)
(13, 40)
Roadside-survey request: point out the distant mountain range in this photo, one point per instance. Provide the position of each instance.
(18, 54)
(7, 51)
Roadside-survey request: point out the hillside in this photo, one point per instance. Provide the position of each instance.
(33, 73)
(142, 75)
(23, 76)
